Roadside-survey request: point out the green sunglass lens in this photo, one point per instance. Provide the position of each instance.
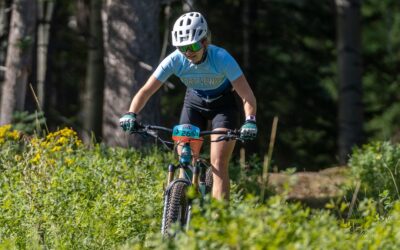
(192, 47)
(183, 48)
(195, 47)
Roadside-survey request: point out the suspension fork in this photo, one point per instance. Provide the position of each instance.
(195, 178)
(171, 172)
(202, 178)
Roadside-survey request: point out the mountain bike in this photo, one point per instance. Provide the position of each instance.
(177, 205)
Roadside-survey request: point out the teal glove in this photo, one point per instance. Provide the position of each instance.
(248, 131)
(128, 122)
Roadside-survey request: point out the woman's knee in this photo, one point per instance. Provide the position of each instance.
(220, 163)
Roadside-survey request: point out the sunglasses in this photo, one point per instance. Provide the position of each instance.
(192, 47)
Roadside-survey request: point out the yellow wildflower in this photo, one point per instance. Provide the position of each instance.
(63, 137)
(69, 161)
(62, 141)
(56, 149)
(35, 159)
(7, 134)
(4, 129)
(14, 135)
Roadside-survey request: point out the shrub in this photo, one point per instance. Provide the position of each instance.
(57, 193)
(377, 166)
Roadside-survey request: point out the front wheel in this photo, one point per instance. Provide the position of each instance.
(175, 208)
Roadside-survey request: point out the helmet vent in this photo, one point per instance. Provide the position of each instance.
(200, 32)
(181, 23)
(189, 21)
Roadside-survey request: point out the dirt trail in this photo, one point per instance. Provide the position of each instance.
(312, 188)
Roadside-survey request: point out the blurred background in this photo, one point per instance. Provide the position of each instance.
(329, 70)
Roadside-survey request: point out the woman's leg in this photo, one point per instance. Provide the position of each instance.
(220, 155)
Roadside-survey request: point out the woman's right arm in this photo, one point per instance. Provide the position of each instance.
(144, 94)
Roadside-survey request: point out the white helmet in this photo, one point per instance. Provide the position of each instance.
(188, 29)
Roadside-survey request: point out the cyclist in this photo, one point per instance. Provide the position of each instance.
(212, 77)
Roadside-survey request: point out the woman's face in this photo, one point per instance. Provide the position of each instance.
(195, 56)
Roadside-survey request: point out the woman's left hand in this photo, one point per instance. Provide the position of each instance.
(248, 131)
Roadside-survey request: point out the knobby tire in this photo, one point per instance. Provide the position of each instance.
(176, 208)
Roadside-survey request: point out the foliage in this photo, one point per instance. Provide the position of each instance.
(67, 53)
(277, 224)
(381, 60)
(291, 71)
(377, 166)
(57, 193)
(247, 177)
(29, 123)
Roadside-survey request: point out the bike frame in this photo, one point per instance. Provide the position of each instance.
(190, 175)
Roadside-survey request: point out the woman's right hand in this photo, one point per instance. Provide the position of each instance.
(128, 122)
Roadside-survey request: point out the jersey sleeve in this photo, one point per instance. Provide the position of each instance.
(231, 68)
(165, 69)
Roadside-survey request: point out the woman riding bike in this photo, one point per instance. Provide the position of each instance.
(212, 77)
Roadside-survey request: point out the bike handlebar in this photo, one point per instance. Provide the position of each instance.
(226, 135)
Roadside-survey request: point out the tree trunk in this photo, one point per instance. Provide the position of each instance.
(188, 6)
(4, 31)
(45, 13)
(18, 62)
(131, 44)
(93, 97)
(349, 69)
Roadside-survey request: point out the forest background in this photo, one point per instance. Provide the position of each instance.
(327, 69)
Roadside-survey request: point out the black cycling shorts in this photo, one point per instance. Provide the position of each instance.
(222, 112)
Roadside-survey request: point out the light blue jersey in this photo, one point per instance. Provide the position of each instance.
(208, 79)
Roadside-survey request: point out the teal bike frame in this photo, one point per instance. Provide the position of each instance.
(177, 206)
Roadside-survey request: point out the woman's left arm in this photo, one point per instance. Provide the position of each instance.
(243, 89)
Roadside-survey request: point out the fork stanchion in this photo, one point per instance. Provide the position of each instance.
(195, 178)
(181, 172)
(171, 172)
